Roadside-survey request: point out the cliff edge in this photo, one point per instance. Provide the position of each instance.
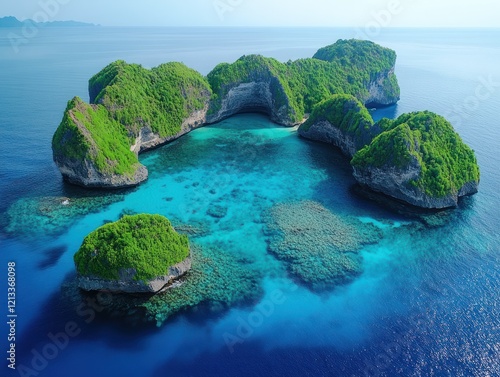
(133, 109)
(140, 253)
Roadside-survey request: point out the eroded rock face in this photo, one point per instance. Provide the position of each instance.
(383, 90)
(147, 139)
(326, 132)
(394, 182)
(341, 121)
(171, 100)
(255, 96)
(127, 284)
(84, 173)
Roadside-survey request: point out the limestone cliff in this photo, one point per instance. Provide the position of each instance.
(369, 63)
(394, 182)
(342, 121)
(140, 253)
(255, 96)
(252, 84)
(92, 150)
(126, 283)
(419, 159)
(133, 109)
(383, 89)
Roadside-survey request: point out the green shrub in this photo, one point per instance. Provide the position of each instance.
(88, 131)
(447, 163)
(161, 98)
(147, 243)
(346, 113)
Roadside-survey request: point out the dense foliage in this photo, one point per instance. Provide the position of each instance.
(127, 97)
(306, 82)
(147, 243)
(160, 98)
(362, 62)
(347, 114)
(88, 131)
(251, 68)
(446, 162)
(365, 56)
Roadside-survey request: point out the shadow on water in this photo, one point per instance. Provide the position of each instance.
(52, 256)
(66, 307)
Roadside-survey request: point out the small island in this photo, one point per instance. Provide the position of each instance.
(417, 158)
(13, 22)
(140, 253)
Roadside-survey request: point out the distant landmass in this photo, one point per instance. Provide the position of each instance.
(13, 22)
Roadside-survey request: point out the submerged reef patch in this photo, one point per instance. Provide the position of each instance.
(318, 247)
(50, 216)
(217, 279)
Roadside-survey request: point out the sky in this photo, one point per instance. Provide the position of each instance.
(282, 13)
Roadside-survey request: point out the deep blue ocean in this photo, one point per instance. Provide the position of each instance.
(426, 304)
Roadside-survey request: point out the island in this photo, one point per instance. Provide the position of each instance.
(13, 22)
(417, 158)
(143, 268)
(133, 109)
(136, 254)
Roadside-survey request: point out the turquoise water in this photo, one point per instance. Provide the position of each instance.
(425, 303)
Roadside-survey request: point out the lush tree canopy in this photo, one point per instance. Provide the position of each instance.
(147, 243)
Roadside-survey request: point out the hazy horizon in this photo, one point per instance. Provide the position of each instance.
(263, 13)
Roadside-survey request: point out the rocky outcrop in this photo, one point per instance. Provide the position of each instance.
(371, 62)
(341, 121)
(85, 161)
(383, 90)
(255, 96)
(147, 139)
(418, 159)
(138, 253)
(326, 132)
(394, 182)
(133, 109)
(85, 173)
(127, 284)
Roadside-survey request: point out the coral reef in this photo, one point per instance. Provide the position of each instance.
(318, 247)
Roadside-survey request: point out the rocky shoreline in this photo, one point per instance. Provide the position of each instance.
(127, 284)
(84, 145)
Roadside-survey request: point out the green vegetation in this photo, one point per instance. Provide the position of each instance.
(68, 141)
(347, 114)
(126, 98)
(304, 83)
(161, 98)
(88, 132)
(251, 68)
(362, 62)
(446, 162)
(147, 243)
(366, 56)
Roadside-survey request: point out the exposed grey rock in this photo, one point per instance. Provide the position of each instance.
(381, 90)
(84, 173)
(255, 96)
(394, 182)
(147, 139)
(127, 284)
(326, 132)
